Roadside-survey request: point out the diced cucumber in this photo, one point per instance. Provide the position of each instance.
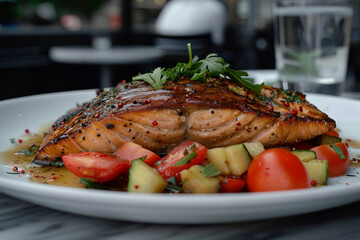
(195, 182)
(217, 156)
(145, 179)
(238, 159)
(318, 170)
(304, 155)
(254, 148)
(325, 140)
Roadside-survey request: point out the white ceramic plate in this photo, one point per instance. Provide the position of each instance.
(32, 112)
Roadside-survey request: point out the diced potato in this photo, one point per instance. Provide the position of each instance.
(195, 182)
(217, 156)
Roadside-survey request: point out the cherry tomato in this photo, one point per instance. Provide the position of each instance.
(131, 151)
(232, 185)
(337, 165)
(332, 133)
(276, 169)
(98, 166)
(169, 166)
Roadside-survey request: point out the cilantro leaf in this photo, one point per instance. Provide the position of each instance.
(237, 76)
(172, 185)
(186, 159)
(201, 76)
(214, 64)
(90, 183)
(176, 72)
(29, 151)
(155, 79)
(210, 171)
(339, 151)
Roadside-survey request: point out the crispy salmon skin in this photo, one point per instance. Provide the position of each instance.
(215, 113)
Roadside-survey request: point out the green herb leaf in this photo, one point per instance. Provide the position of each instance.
(13, 172)
(201, 76)
(155, 79)
(210, 171)
(172, 185)
(157, 163)
(186, 159)
(59, 164)
(91, 183)
(197, 70)
(29, 151)
(291, 96)
(237, 76)
(176, 72)
(12, 140)
(213, 64)
(338, 151)
(173, 188)
(141, 159)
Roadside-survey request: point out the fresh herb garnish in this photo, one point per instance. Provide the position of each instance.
(141, 159)
(12, 140)
(238, 76)
(264, 99)
(210, 171)
(13, 172)
(339, 151)
(291, 96)
(186, 159)
(59, 164)
(155, 78)
(197, 70)
(90, 183)
(172, 185)
(29, 151)
(157, 163)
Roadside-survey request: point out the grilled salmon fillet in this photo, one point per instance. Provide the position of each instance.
(214, 113)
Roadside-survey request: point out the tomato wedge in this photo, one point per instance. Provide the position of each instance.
(276, 169)
(131, 151)
(98, 166)
(182, 157)
(338, 163)
(232, 185)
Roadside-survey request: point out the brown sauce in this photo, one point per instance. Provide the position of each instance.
(35, 173)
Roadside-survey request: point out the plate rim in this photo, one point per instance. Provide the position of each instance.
(195, 200)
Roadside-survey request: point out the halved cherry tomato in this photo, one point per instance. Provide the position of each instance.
(276, 169)
(232, 185)
(98, 166)
(332, 133)
(166, 165)
(131, 151)
(337, 166)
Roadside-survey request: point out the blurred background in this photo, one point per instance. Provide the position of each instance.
(35, 34)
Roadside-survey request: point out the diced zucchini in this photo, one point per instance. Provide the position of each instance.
(318, 170)
(254, 148)
(238, 159)
(325, 140)
(304, 155)
(195, 182)
(145, 179)
(217, 156)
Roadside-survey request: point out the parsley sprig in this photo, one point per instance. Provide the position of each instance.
(198, 70)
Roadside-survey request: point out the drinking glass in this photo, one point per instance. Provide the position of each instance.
(312, 43)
